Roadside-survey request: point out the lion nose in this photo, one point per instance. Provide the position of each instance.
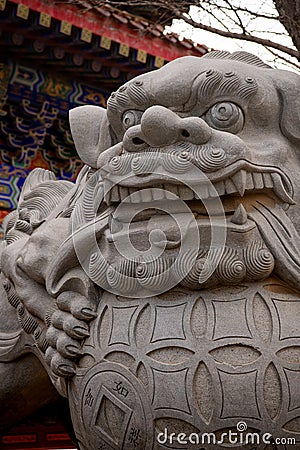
(161, 126)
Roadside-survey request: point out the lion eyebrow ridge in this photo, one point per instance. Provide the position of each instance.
(214, 83)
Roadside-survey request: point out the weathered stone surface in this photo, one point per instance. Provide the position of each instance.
(161, 292)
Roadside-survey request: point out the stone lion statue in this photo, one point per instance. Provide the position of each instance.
(160, 293)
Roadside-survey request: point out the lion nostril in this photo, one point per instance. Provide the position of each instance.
(185, 133)
(137, 141)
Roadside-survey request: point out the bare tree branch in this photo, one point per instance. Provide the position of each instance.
(283, 58)
(235, 11)
(244, 37)
(247, 11)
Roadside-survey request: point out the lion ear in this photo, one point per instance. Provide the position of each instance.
(288, 87)
(90, 131)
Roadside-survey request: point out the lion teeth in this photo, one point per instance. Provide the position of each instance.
(240, 215)
(114, 194)
(212, 191)
(146, 195)
(239, 181)
(136, 197)
(229, 187)
(186, 193)
(169, 195)
(158, 193)
(172, 188)
(203, 192)
(268, 183)
(220, 187)
(249, 182)
(280, 190)
(131, 196)
(124, 192)
(258, 180)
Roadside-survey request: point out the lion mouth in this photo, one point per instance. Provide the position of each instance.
(237, 180)
(215, 221)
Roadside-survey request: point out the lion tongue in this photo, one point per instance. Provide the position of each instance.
(281, 238)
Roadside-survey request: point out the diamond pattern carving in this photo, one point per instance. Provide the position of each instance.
(231, 319)
(112, 415)
(293, 379)
(121, 320)
(238, 390)
(208, 370)
(170, 390)
(289, 318)
(171, 315)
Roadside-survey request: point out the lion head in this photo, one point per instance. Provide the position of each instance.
(218, 135)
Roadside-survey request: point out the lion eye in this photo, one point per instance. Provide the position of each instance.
(131, 118)
(225, 116)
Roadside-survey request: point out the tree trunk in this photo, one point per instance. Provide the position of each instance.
(289, 16)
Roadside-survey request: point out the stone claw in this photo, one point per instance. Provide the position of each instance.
(79, 332)
(68, 347)
(59, 365)
(78, 305)
(63, 367)
(88, 313)
(68, 326)
(75, 328)
(73, 351)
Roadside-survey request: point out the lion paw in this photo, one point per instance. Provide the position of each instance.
(68, 328)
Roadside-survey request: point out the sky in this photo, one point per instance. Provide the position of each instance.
(263, 27)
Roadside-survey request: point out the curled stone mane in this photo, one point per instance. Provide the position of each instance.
(241, 56)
